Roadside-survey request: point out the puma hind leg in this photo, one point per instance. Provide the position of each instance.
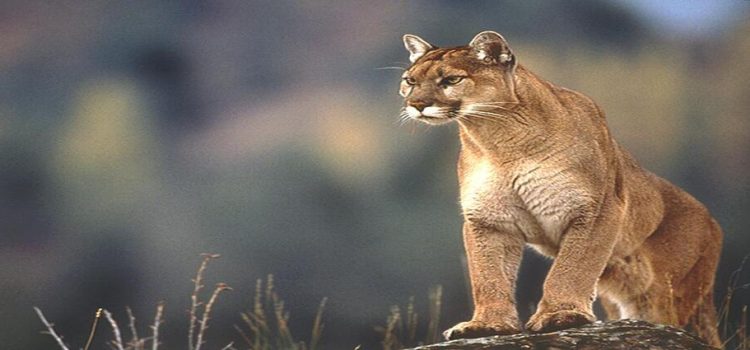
(611, 309)
(704, 321)
(682, 305)
(650, 286)
(697, 287)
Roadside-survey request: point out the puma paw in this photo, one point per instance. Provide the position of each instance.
(478, 329)
(555, 321)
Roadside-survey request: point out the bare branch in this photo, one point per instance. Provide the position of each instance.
(115, 331)
(244, 336)
(195, 300)
(50, 329)
(93, 328)
(155, 327)
(134, 340)
(317, 330)
(207, 312)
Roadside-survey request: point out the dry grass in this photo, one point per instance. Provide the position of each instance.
(199, 318)
(116, 343)
(221, 287)
(672, 317)
(401, 331)
(50, 329)
(734, 334)
(267, 322)
(193, 343)
(138, 343)
(266, 325)
(92, 332)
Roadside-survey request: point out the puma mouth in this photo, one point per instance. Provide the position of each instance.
(433, 120)
(431, 115)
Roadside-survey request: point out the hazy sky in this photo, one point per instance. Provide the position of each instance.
(691, 17)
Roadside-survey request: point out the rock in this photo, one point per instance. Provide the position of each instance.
(621, 334)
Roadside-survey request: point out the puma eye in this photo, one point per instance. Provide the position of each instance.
(410, 80)
(453, 80)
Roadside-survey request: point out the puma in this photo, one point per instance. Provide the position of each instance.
(539, 167)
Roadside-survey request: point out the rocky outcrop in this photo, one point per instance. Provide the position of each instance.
(622, 334)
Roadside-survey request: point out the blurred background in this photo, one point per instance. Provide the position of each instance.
(135, 135)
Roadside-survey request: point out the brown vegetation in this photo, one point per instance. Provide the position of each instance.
(264, 332)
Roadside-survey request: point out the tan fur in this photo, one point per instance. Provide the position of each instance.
(538, 166)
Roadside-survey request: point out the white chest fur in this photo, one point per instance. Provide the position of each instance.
(536, 200)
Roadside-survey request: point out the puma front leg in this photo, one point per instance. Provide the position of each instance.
(493, 258)
(569, 289)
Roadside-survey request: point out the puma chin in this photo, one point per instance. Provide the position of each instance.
(431, 115)
(538, 167)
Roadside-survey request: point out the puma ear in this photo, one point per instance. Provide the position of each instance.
(416, 46)
(491, 47)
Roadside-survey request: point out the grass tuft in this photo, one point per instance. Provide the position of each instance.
(735, 334)
(267, 324)
(137, 343)
(402, 331)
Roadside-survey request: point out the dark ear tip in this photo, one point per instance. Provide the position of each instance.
(411, 39)
(487, 36)
(490, 33)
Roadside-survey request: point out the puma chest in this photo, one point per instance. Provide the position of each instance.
(536, 199)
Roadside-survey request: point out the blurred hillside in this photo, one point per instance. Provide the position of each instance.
(136, 135)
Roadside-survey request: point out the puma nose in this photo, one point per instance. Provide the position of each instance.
(419, 105)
